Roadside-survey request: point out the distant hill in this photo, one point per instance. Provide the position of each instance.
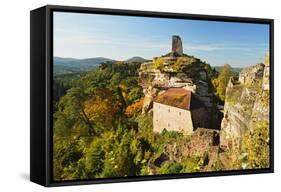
(235, 69)
(136, 59)
(72, 65)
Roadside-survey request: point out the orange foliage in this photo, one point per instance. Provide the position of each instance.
(134, 108)
(101, 107)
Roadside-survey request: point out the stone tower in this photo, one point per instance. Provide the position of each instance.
(176, 46)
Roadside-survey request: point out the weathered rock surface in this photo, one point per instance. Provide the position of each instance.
(246, 103)
(203, 143)
(174, 70)
(192, 77)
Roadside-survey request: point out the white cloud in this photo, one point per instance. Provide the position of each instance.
(217, 47)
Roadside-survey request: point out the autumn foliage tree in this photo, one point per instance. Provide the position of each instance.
(91, 127)
(101, 109)
(135, 108)
(221, 81)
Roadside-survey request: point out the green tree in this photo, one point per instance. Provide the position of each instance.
(93, 158)
(67, 155)
(71, 112)
(221, 81)
(171, 168)
(255, 147)
(119, 161)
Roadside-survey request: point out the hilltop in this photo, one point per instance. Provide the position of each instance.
(64, 65)
(178, 70)
(136, 59)
(72, 65)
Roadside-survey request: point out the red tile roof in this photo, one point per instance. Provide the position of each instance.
(179, 97)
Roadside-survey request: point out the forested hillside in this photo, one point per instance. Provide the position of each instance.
(100, 130)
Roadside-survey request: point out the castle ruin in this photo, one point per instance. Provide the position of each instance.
(177, 50)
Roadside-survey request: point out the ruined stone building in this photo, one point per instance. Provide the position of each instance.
(176, 46)
(176, 89)
(178, 109)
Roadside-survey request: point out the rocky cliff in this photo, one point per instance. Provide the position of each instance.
(247, 103)
(176, 70)
(166, 72)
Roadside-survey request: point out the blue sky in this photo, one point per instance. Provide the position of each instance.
(79, 35)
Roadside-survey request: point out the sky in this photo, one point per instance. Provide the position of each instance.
(81, 35)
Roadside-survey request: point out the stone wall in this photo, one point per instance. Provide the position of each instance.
(202, 140)
(200, 117)
(203, 143)
(171, 119)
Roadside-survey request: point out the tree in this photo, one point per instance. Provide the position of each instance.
(93, 158)
(119, 161)
(221, 81)
(66, 157)
(101, 109)
(171, 168)
(255, 147)
(135, 93)
(135, 108)
(71, 112)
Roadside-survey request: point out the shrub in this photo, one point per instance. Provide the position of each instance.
(158, 62)
(255, 146)
(171, 168)
(192, 164)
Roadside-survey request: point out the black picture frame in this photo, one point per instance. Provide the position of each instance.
(41, 54)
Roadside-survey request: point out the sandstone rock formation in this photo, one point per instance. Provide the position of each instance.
(247, 102)
(170, 71)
